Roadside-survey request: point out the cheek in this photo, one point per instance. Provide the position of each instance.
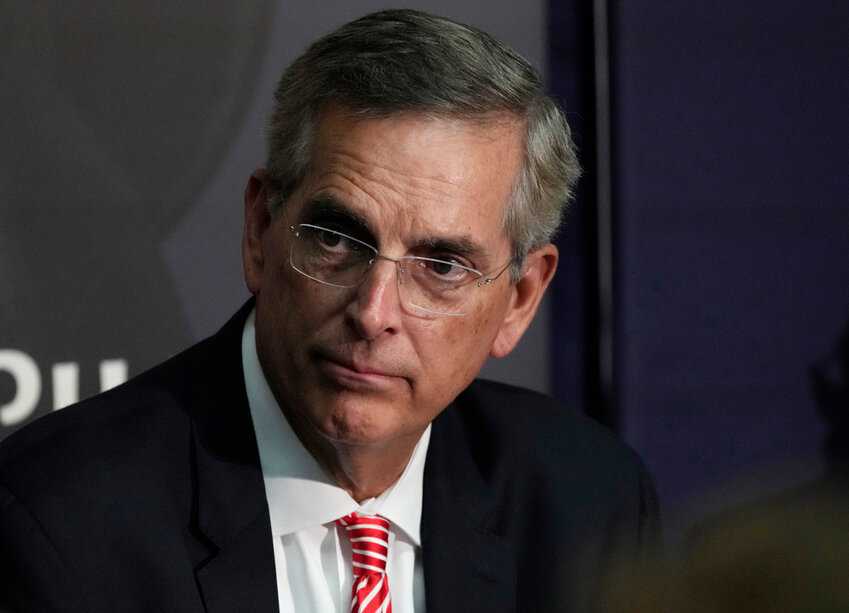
(482, 331)
(280, 308)
(457, 349)
(297, 300)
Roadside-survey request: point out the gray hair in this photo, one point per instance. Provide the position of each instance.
(399, 61)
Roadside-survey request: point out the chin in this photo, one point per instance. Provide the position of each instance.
(362, 422)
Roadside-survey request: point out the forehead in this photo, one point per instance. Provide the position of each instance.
(413, 173)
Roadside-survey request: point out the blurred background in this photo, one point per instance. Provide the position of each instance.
(701, 308)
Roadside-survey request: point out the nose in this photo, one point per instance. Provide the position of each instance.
(376, 308)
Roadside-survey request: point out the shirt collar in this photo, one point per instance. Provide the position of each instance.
(299, 493)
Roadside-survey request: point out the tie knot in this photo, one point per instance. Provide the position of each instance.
(369, 536)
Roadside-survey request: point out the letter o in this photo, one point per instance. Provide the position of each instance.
(28, 381)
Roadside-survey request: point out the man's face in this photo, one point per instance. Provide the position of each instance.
(358, 366)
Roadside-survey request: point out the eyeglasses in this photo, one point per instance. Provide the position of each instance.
(440, 287)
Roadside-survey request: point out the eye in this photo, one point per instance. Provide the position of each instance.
(329, 238)
(447, 270)
(443, 268)
(327, 241)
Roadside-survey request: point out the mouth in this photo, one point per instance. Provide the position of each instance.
(354, 374)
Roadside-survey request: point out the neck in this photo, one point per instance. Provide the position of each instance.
(365, 472)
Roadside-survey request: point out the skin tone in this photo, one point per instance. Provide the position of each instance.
(359, 373)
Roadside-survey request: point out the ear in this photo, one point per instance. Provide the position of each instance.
(256, 223)
(540, 265)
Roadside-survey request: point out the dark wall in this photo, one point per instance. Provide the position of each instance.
(730, 150)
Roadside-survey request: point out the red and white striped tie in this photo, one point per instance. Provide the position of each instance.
(369, 536)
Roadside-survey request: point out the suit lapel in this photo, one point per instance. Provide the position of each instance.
(467, 565)
(232, 513)
(233, 516)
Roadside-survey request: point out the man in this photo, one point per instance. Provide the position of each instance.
(399, 235)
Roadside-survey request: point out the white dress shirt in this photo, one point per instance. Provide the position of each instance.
(312, 555)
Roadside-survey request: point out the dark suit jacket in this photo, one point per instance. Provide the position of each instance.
(149, 497)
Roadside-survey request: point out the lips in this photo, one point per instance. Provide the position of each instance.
(347, 372)
(360, 369)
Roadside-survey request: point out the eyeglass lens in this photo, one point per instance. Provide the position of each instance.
(336, 259)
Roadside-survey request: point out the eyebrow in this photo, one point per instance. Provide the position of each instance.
(463, 246)
(325, 205)
(325, 208)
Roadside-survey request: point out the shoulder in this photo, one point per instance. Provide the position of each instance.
(587, 492)
(527, 446)
(94, 446)
(135, 434)
(83, 478)
(500, 418)
(144, 415)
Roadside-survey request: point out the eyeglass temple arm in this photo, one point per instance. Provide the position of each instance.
(490, 280)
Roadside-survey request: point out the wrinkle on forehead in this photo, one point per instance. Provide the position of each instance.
(389, 189)
(501, 128)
